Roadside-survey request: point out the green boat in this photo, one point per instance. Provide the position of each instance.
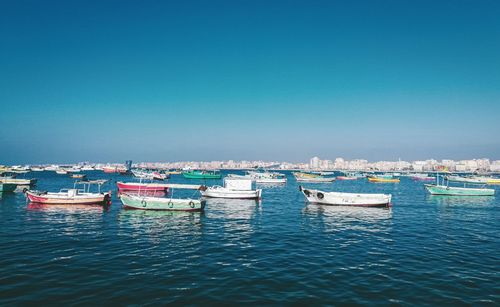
(202, 175)
(455, 191)
(7, 187)
(158, 203)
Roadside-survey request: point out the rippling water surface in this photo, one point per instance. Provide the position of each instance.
(425, 250)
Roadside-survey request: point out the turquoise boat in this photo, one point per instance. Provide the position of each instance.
(456, 191)
(7, 187)
(202, 175)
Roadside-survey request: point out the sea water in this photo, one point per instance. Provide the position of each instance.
(424, 250)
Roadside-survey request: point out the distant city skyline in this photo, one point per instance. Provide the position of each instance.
(248, 80)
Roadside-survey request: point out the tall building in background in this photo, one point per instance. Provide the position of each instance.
(314, 163)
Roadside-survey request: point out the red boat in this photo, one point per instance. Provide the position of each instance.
(139, 186)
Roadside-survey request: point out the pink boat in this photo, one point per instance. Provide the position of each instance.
(139, 186)
(346, 178)
(73, 196)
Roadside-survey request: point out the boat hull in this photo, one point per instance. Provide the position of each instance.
(347, 199)
(137, 186)
(161, 204)
(53, 198)
(456, 191)
(384, 180)
(346, 178)
(191, 175)
(233, 194)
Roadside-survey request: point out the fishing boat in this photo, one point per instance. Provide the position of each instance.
(160, 203)
(202, 174)
(109, 169)
(383, 179)
(445, 189)
(314, 178)
(7, 187)
(421, 177)
(18, 181)
(233, 188)
(474, 179)
(74, 196)
(266, 177)
(350, 176)
(346, 199)
(141, 186)
(78, 176)
(149, 175)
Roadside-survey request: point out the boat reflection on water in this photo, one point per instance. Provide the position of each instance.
(159, 222)
(268, 185)
(355, 218)
(70, 208)
(472, 201)
(231, 208)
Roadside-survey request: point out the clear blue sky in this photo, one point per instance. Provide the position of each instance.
(273, 80)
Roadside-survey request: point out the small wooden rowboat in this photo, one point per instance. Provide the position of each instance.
(457, 191)
(383, 179)
(202, 175)
(140, 186)
(313, 178)
(346, 178)
(346, 199)
(159, 203)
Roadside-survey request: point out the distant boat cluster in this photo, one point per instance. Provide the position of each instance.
(150, 190)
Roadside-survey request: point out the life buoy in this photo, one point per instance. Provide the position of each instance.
(191, 204)
(170, 204)
(143, 202)
(320, 195)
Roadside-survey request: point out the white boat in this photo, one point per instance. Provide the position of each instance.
(20, 181)
(346, 199)
(306, 177)
(61, 172)
(87, 168)
(149, 175)
(37, 169)
(233, 188)
(262, 177)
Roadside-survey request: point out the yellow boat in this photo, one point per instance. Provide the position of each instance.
(378, 179)
(493, 181)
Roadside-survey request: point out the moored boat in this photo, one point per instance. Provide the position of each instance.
(383, 179)
(313, 178)
(202, 174)
(141, 186)
(346, 199)
(458, 191)
(233, 188)
(158, 203)
(73, 196)
(266, 177)
(18, 181)
(440, 188)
